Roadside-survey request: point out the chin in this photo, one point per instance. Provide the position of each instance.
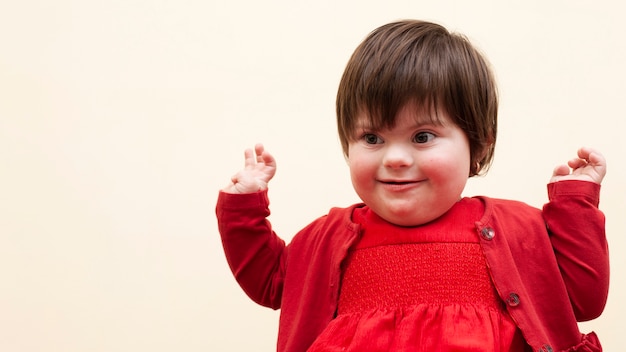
(415, 223)
(411, 218)
(408, 221)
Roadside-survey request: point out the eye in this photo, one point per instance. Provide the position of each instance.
(371, 138)
(423, 137)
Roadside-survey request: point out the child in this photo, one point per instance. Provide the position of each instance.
(418, 267)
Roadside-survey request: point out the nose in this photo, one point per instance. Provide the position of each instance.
(398, 156)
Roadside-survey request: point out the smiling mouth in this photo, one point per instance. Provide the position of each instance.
(398, 182)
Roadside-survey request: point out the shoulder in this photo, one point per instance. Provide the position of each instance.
(337, 217)
(337, 225)
(513, 216)
(495, 206)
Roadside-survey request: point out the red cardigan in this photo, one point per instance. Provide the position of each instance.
(551, 268)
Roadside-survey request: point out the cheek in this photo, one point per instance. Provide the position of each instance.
(362, 170)
(445, 169)
(356, 168)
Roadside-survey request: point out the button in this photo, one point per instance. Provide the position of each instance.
(546, 348)
(487, 233)
(513, 300)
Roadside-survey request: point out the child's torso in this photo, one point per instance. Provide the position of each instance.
(423, 288)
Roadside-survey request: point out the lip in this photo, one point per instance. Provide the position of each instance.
(398, 181)
(400, 185)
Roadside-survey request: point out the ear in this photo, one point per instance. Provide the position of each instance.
(477, 164)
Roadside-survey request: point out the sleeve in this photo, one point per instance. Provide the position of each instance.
(255, 254)
(577, 233)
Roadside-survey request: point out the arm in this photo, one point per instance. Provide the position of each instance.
(577, 232)
(255, 254)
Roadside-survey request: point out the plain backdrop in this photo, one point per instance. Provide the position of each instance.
(121, 120)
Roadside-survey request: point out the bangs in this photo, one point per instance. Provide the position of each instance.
(394, 68)
(380, 117)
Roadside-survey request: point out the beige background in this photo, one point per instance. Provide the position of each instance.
(121, 120)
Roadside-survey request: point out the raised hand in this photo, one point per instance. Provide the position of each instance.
(590, 166)
(259, 169)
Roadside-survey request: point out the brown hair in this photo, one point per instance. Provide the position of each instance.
(420, 62)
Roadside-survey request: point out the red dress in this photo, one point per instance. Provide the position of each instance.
(424, 288)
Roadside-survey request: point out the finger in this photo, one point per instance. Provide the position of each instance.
(577, 163)
(561, 170)
(596, 158)
(268, 159)
(258, 149)
(589, 154)
(585, 157)
(249, 158)
(584, 152)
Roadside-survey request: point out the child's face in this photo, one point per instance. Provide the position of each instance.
(412, 173)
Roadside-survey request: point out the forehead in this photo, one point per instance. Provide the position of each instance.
(409, 114)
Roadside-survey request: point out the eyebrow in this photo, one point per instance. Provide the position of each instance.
(418, 123)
